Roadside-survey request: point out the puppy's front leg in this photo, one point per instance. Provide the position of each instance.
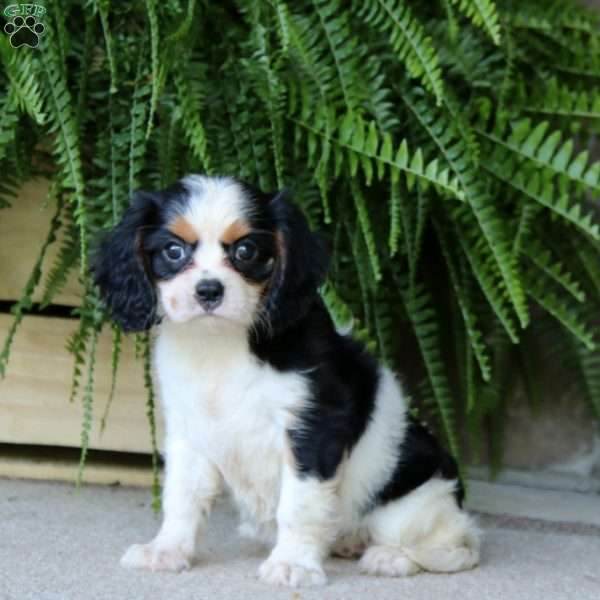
(306, 523)
(191, 485)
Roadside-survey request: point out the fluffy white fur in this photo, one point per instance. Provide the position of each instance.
(226, 418)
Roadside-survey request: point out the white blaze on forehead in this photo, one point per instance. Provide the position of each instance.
(215, 204)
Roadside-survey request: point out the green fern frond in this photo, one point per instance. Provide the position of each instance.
(395, 218)
(157, 73)
(543, 259)
(383, 323)
(190, 102)
(482, 13)
(9, 119)
(550, 15)
(374, 155)
(561, 100)
(151, 414)
(366, 229)
(263, 69)
(477, 343)
(542, 190)
(528, 212)
(456, 154)
(24, 91)
(588, 257)
(102, 7)
(114, 362)
(338, 309)
(408, 40)
(424, 321)
(549, 152)
(483, 267)
(65, 260)
(560, 310)
(140, 99)
(63, 125)
(333, 23)
(87, 403)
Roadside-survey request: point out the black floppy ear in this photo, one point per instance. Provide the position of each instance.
(119, 267)
(301, 265)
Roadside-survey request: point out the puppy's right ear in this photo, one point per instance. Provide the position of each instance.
(120, 267)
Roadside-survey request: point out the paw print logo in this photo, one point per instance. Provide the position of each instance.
(24, 31)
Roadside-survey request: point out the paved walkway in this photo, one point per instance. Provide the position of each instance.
(60, 544)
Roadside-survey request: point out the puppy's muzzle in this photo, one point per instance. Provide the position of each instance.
(209, 293)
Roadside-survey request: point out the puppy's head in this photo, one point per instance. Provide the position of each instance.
(214, 249)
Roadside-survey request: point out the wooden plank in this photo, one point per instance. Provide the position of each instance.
(23, 228)
(63, 470)
(34, 406)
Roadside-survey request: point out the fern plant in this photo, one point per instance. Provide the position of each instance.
(445, 147)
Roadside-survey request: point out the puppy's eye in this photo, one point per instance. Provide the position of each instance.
(173, 252)
(245, 252)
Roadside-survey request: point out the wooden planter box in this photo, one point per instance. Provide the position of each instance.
(34, 396)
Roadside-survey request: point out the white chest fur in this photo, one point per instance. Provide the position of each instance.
(225, 404)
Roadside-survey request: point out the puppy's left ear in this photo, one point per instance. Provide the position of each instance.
(301, 265)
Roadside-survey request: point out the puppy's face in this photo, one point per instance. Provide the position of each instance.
(214, 255)
(210, 248)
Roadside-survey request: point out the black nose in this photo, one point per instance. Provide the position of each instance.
(209, 293)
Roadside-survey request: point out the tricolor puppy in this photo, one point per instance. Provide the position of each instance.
(261, 394)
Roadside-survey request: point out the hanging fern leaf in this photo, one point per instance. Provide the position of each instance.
(408, 40)
(24, 91)
(115, 358)
(543, 259)
(63, 126)
(559, 309)
(425, 326)
(374, 155)
(87, 403)
(561, 100)
(477, 345)
(541, 189)
(151, 414)
(484, 14)
(366, 229)
(456, 153)
(548, 152)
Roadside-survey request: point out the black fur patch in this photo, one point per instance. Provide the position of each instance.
(343, 380)
(421, 457)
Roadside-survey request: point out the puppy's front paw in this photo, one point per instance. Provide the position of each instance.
(155, 557)
(280, 572)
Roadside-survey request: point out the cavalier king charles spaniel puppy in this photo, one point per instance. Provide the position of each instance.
(263, 396)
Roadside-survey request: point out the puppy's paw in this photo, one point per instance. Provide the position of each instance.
(156, 557)
(384, 560)
(286, 573)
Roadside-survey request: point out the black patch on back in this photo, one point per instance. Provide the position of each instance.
(343, 379)
(421, 457)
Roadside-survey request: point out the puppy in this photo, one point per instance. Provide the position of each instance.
(262, 395)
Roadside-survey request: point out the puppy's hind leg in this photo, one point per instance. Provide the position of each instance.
(424, 530)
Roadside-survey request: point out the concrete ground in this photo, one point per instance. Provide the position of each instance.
(60, 544)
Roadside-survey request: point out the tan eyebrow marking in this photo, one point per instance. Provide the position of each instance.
(183, 229)
(235, 231)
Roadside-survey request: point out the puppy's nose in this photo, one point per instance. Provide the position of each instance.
(209, 293)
